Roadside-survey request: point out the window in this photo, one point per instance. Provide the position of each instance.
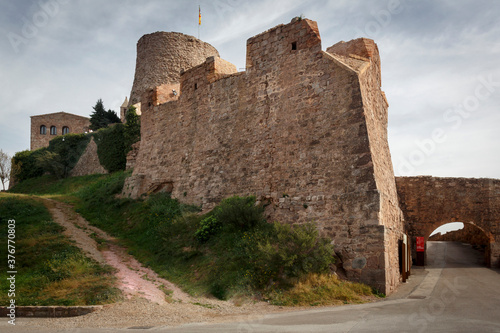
(65, 130)
(53, 130)
(43, 130)
(294, 46)
(195, 86)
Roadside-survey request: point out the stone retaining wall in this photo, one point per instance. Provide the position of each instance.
(49, 311)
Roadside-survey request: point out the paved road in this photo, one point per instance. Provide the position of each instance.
(454, 293)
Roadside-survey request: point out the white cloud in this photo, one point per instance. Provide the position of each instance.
(432, 55)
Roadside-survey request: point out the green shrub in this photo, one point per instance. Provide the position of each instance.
(132, 130)
(25, 166)
(57, 159)
(290, 252)
(209, 226)
(249, 252)
(111, 148)
(52, 163)
(239, 213)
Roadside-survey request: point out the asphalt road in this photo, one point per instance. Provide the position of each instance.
(454, 293)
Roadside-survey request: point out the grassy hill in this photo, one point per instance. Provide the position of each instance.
(51, 270)
(230, 251)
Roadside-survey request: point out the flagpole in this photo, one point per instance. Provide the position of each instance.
(199, 20)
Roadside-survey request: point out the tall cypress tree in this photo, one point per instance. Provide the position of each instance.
(132, 131)
(101, 118)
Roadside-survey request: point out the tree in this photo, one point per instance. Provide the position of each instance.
(5, 164)
(132, 130)
(101, 118)
(52, 163)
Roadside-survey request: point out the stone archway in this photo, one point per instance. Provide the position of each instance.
(429, 202)
(470, 234)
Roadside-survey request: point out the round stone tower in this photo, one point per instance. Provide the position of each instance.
(162, 55)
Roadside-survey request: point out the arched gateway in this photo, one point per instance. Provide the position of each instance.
(429, 202)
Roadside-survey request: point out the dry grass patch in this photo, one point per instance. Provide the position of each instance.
(322, 289)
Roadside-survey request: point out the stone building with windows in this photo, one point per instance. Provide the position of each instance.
(45, 127)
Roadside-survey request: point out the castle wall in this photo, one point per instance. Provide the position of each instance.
(429, 202)
(89, 163)
(469, 234)
(363, 56)
(298, 129)
(76, 124)
(161, 57)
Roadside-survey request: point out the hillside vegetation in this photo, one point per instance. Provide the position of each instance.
(231, 251)
(51, 271)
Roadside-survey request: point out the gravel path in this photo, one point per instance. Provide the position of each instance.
(145, 304)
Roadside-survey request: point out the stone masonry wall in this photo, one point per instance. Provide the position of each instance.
(362, 55)
(292, 130)
(161, 57)
(88, 164)
(469, 234)
(76, 124)
(429, 202)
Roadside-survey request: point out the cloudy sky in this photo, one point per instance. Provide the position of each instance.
(440, 68)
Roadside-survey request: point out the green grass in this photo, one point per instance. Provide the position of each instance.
(51, 271)
(229, 252)
(55, 186)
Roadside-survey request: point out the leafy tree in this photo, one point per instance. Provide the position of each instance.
(101, 118)
(5, 164)
(25, 165)
(52, 163)
(132, 130)
(113, 117)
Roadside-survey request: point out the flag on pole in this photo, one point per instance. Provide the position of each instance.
(199, 15)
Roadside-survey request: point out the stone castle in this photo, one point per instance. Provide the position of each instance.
(305, 131)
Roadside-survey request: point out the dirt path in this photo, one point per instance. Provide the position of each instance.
(146, 304)
(135, 280)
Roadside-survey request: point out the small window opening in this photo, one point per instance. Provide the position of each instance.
(43, 130)
(53, 130)
(195, 86)
(65, 130)
(294, 46)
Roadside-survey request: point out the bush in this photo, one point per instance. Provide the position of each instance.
(209, 226)
(289, 253)
(132, 130)
(25, 166)
(52, 163)
(111, 148)
(249, 252)
(239, 213)
(57, 159)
